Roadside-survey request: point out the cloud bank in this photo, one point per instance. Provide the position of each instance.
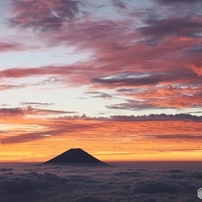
(129, 183)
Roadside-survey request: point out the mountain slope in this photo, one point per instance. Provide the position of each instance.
(76, 157)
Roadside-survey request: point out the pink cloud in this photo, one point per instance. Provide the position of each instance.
(150, 47)
(42, 15)
(5, 46)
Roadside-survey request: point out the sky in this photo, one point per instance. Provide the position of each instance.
(120, 79)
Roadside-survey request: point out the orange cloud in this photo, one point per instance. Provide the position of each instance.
(130, 134)
(197, 68)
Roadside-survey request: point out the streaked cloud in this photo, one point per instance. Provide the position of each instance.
(42, 16)
(7, 46)
(23, 111)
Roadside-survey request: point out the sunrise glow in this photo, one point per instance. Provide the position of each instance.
(120, 79)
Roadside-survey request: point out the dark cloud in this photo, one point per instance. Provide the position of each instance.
(135, 105)
(130, 78)
(42, 15)
(125, 90)
(151, 187)
(6, 169)
(140, 79)
(100, 95)
(119, 4)
(12, 112)
(131, 118)
(89, 198)
(158, 117)
(4, 112)
(170, 19)
(139, 182)
(195, 49)
(24, 183)
(185, 27)
(171, 2)
(37, 103)
(36, 111)
(51, 80)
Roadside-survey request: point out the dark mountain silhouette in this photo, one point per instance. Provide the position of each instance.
(76, 157)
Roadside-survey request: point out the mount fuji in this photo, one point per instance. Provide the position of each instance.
(76, 156)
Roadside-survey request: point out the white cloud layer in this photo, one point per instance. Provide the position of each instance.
(141, 182)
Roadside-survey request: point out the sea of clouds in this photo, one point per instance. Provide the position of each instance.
(137, 182)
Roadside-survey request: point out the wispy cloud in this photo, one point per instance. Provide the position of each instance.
(119, 4)
(173, 2)
(44, 15)
(10, 112)
(37, 103)
(5, 46)
(97, 94)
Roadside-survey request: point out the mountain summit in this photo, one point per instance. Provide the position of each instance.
(76, 157)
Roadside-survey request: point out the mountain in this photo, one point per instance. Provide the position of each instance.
(76, 157)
